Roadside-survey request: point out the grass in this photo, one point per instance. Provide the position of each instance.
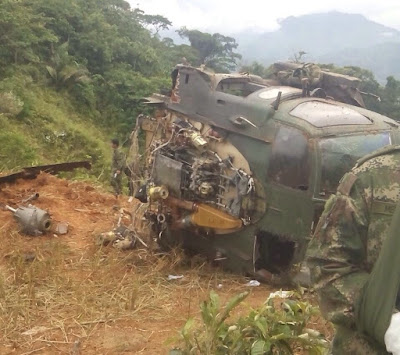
(63, 295)
(14, 149)
(50, 128)
(51, 286)
(55, 296)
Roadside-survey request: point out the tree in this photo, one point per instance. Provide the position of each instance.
(64, 70)
(391, 98)
(257, 68)
(214, 50)
(156, 22)
(23, 33)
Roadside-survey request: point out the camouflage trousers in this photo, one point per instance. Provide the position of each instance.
(116, 183)
(349, 342)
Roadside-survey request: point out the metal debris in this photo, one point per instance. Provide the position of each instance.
(32, 220)
(33, 171)
(32, 197)
(121, 238)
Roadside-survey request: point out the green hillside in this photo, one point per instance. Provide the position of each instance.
(45, 126)
(72, 73)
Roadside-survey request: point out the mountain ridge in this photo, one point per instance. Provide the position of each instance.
(332, 37)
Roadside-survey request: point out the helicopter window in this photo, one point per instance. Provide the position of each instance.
(339, 155)
(290, 162)
(238, 87)
(322, 114)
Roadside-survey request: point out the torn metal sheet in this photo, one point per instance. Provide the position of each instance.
(33, 171)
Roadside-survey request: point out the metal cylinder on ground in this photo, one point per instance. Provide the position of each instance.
(32, 220)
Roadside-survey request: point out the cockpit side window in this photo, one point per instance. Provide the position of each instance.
(238, 86)
(339, 155)
(290, 160)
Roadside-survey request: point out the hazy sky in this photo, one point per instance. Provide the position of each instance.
(229, 16)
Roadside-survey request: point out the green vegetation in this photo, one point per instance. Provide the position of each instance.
(213, 50)
(72, 73)
(270, 329)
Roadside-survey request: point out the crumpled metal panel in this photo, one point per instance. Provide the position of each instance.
(322, 114)
(168, 172)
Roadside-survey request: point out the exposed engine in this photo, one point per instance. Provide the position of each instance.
(195, 178)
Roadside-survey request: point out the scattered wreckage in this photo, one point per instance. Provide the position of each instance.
(32, 172)
(31, 219)
(128, 235)
(238, 167)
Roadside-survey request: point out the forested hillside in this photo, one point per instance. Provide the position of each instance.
(71, 76)
(72, 73)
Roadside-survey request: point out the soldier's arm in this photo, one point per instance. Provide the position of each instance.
(337, 253)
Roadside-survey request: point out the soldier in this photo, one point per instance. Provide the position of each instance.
(350, 257)
(117, 167)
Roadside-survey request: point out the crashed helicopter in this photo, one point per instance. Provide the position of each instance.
(238, 168)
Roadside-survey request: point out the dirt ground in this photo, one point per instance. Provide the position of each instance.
(63, 294)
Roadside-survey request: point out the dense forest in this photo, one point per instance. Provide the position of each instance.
(72, 73)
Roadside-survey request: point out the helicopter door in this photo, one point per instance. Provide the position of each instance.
(289, 205)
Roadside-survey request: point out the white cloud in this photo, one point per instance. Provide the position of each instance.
(229, 16)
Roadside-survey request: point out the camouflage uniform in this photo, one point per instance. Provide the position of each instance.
(118, 163)
(347, 243)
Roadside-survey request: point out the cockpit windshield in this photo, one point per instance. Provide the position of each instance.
(339, 155)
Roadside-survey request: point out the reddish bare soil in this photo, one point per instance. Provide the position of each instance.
(65, 295)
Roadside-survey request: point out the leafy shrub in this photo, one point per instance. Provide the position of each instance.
(270, 329)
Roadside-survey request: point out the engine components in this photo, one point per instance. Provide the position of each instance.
(158, 193)
(205, 189)
(210, 217)
(32, 220)
(121, 238)
(195, 179)
(197, 140)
